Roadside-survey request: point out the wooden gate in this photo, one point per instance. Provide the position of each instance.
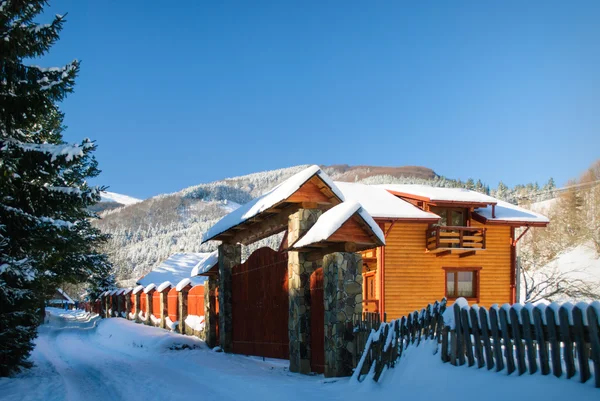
(196, 301)
(260, 305)
(156, 311)
(317, 322)
(173, 304)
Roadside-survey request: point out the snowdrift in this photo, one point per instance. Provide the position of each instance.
(122, 334)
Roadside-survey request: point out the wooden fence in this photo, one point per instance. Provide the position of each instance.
(562, 340)
(382, 344)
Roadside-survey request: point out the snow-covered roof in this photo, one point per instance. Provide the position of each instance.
(164, 286)
(138, 289)
(149, 288)
(269, 199)
(64, 294)
(176, 268)
(509, 213)
(379, 203)
(206, 264)
(330, 221)
(439, 194)
(127, 290)
(183, 283)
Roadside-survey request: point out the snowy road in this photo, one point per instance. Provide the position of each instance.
(82, 358)
(78, 358)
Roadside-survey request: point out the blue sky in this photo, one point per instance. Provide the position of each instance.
(193, 91)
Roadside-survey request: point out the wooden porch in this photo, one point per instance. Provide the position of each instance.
(462, 241)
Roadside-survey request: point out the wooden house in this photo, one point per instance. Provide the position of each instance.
(401, 246)
(60, 298)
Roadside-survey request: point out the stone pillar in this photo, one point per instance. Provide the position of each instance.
(127, 306)
(137, 306)
(149, 307)
(210, 311)
(164, 307)
(342, 283)
(299, 271)
(230, 255)
(182, 300)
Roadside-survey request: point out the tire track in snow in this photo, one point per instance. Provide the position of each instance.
(81, 380)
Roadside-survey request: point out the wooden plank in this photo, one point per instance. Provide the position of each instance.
(581, 345)
(528, 338)
(476, 338)
(594, 328)
(497, 340)
(567, 341)
(518, 341)
(466, 332)
(460, 345)
(540, 339)
(445, 356)
(486, 335)
(554, 342)
(508, 346)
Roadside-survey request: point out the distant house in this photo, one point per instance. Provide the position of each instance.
(60, 298)
(417, 244)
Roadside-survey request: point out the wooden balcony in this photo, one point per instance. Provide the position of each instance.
(463, 241)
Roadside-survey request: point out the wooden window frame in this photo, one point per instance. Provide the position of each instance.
(476, 279)
(448, 212)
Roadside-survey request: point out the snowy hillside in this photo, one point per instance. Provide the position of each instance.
(118, 198)
(147, 232)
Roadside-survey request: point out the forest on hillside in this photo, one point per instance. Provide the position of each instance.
(146, 233)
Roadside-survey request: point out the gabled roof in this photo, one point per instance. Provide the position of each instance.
(333, 219)
(507, 213)
(438, 194)
(271, 199)
(381, 204)
(208, 263)
(64, 294)
(176, 268)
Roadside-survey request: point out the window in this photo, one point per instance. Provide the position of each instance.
(450, 216)
(370, 287)
(462, 282)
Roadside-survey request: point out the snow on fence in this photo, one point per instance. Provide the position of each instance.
(562, 340)
(384, 344)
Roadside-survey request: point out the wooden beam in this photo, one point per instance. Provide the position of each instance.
(273, 224)
(443, 253)
(465, 254)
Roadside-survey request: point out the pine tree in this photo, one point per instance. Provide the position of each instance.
(46, 236)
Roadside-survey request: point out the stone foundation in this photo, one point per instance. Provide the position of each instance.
(229, 256)
(342, 283)
(210, 313)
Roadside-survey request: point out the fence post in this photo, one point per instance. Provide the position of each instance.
(554, 342)
(164, 305)
(582, 347)
(210, 311)
(593, 319)
(565, 336)
(497, 340)
(518, 342)
(149, 306)
(182, 300)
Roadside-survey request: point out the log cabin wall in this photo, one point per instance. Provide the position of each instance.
(414, 278)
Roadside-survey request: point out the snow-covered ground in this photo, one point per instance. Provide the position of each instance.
(79, 357)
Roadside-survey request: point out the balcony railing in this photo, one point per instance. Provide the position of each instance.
(450, 238)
